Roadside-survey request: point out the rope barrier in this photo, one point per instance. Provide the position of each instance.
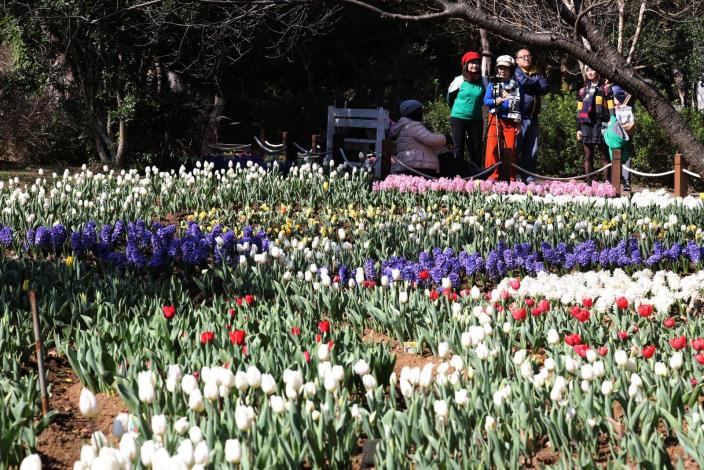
(310, 152)
(635, 172)
(483, 172)
(554, 178)
(395, 160)
(265, 148)
(691, 173)
(273, 145)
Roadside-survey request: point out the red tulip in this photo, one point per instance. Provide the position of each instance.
(581, 349)
(207, 337)
(544, 305)
(698, 344)
(622, 335)
(582, 315)
(249, 298)
(318, 338)
(238, 337)
(239, 301)
(699, 358)
(530, 302)
(368, 283)
(515, 284)
(648, 351)
(678, 342)
(519, 314)
(693, 382)
(587, 302)
(433, 295)
(331, 343)
(603, 351)
(196, 374)
(504, 295)
(645, 310)
(669, 322)
(232, 312)
(169, 311)
(295, 331)
(324, 326)
(424, 275)
(244, 350)
(306, 356)
(573, 340)
(536, 312)
(622, 303)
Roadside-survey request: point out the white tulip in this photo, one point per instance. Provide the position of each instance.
(527, 370)
(188, 384)
(128, 447)
(254, 377)
(323, 352)
(277, 404)
(146, 452)
(241, 381)
(233, 451)
(185, 451)
(441, 410)
(195, 401)
(201, 454)
(553, 336)
(549, 364)
(369, 382)
(330, 382)
(599, 369)
(660, 369)
(195, 434)
(482, 351)
(244, 417)
(620, 357)
(361, 367)
(268, 384)
(443, 350)
(88, 404)
(587, 372)
(159, 424)
(676, 361)
(181, 426)
(520, 356)
(403, 297)
(426, 375)
(160, 459)
(88, 454)
(607, 387)
(461, 397)
(489, 424)
(457, 363)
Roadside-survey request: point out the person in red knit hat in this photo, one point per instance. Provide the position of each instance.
(465, 96)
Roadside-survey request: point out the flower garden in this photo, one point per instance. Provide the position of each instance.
(247, 317)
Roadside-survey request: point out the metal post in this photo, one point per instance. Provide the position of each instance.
(616, 170)
(40, 355)
(680, 176)
(314, 142)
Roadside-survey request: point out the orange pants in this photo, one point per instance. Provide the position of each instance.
(510, 131)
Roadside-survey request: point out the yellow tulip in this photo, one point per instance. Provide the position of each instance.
(25, 285)
(69, 261)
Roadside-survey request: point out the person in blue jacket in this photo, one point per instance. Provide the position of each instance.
(535, 86)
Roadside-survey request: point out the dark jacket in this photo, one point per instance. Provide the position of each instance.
(534, 86)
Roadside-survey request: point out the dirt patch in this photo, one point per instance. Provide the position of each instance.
(60, 444)
(403, 358)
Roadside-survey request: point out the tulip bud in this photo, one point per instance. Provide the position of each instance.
(233, 451)
(195, 401)
(159, 425)
(361, 367)
(621, 357)
(181, 426)
(553, 336)
(210, 390)
(323, 352)
(128, 447)
(369, 382)
(277, 404)
(241, 381)
(188, 384)
(676, 361)
(443, 350)
(201, 454)
(88, 404)
(268, 384)
(195, 434)
(607, 387)
(32, 462)
(146, 452)
(441, 410)
(660, 369)
(254, 377)
(88, 454)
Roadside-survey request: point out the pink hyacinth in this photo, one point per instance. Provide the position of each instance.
(416, 184)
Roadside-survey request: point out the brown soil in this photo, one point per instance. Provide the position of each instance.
(403, 358)
(60, 444)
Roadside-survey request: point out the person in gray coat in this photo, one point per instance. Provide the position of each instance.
(416, 147)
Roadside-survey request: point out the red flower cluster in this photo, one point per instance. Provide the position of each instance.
(368, 283)
(678, 342)
(248, 299)
(324, 326)
(669, 322)
(424, 275)
(296, 331)
(645, 310)
(519, 314)
(169, 311)
(206, 337)
(581, 349)
(581, 314)
(622, 303)
(587, 302)
(697, 344)
(238, 337)
(433, 295)
(573, 340)
(648, 351)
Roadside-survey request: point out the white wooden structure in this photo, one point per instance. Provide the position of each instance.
(373, 121)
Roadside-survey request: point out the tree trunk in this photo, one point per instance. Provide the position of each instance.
(121, 153)
(211, 129)
(487, 62)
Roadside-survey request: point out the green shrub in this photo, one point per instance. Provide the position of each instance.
(436, 115)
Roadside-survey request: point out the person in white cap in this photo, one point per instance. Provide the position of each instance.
(416, 147)
(504, 98)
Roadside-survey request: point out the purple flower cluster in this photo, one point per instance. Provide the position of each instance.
(138, 245)
(503, 260)
(5, 236)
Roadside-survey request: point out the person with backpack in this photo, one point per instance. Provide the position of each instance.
(595, 106)
(504, 98)
(465, 96)
(535, 86)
